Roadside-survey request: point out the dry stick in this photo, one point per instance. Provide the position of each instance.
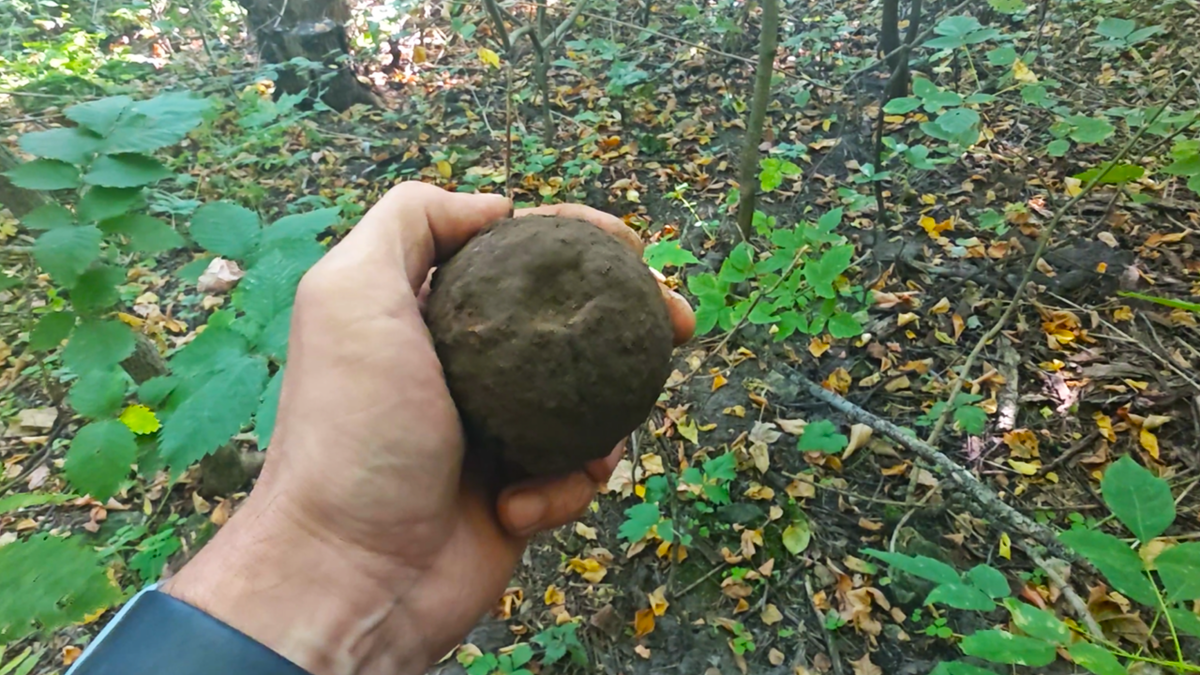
(1077, 604)
(966, 481)
(1043, 243)
(1130, 339)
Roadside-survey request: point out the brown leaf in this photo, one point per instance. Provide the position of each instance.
(864, 666)
(643, 622)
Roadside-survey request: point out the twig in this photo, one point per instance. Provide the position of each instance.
(1130, 339)
(508, 117)
(498, 21)
(1078, 606)
(1043, 244)
(1083, 444)
(966, 481)
(701, 580)
(908, 43)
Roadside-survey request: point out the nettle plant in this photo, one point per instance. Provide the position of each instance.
(224, 380)
(796, 284)
(1164, 582)
(555, 644)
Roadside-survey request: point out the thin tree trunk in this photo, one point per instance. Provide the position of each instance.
(314, 30)
(748, 171)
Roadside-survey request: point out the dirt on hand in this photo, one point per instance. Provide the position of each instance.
(554, 338)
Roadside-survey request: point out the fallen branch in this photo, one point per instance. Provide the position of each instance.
(1043, 244)
(1078, 606)
(966, 481)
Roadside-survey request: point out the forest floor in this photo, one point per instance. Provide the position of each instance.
(775, 580)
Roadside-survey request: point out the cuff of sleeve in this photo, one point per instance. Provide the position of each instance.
(156, 633)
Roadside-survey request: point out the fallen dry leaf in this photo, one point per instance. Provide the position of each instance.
(220, 276)
(770, 615)
(658, 601)
(860, 435)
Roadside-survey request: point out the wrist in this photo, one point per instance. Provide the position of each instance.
(323, 605)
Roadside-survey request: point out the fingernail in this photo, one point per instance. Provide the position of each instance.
(658, 275)
(526, 511)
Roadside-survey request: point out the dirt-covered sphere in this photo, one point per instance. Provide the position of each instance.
(554, 338)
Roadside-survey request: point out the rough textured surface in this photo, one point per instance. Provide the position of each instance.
(554, 338)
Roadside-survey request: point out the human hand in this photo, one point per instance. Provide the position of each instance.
(364, 548)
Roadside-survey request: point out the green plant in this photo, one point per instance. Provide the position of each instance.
(967, 416)
(1141, 502)
(742, 641)
(190, 405)
(796, 285)
(1122, 34)
(512, 663)
(559, 641)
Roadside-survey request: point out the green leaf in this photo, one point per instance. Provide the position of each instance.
(1119, 564)
(989, 580)
(1115, 28)
(1138, 498)
(65, 253)
(48, 217)
(639, 519)
(999, 646)
(958, 120)
(797, 535)
(214, 349)
(226, 229)
(96, 289)
(156, 123)
(721, 468)
(668, 253)
(821, 273)
(903, 105)
(739, 265)
(961, 596)
(99, 116)
(1120, 173)
(273, 340)
(155, 390)
(98, 394)
(821, 436)
(61, 582)
(1002, 57)
(300, 226)
(126, 171)
(98, 344)
(8, 281)
(971, 419)
(1168, 302)
(146, 234)
(1008, 6)
(919, 566)
(1179, 567)
(51, 330)
(44, 174)
(1185, 166)
(24, 500)
(844, 325)
(102, 203)
(213, 413)
(1038, 623)
(264, 418)
(1096, 659)
(1183, 620)
(66, 144)
(100, 457)
(1089, 129)
(268, 288)
(1058, 147)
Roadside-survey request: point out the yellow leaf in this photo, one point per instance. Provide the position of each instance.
(586, 532)
(1005, 546)
(1025, 468)
(1122, 313)
(893, 119)
(817, 347)
(643, 623)
(489, 57)
(941, 307)
(652, 464)
(771, 614)
(742, 606)
(928, 199)
(1149, 441)
(444, 169)
(1104, 423)
(688, 430)
(1074, 186)
(735, 410)
(658, 601)
(140, 420)
(554, 596)
(633, 196)
(935, 229)
(588, 568)
(838, 381)
(1022, 73)
(718, 382)
(418, 54)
